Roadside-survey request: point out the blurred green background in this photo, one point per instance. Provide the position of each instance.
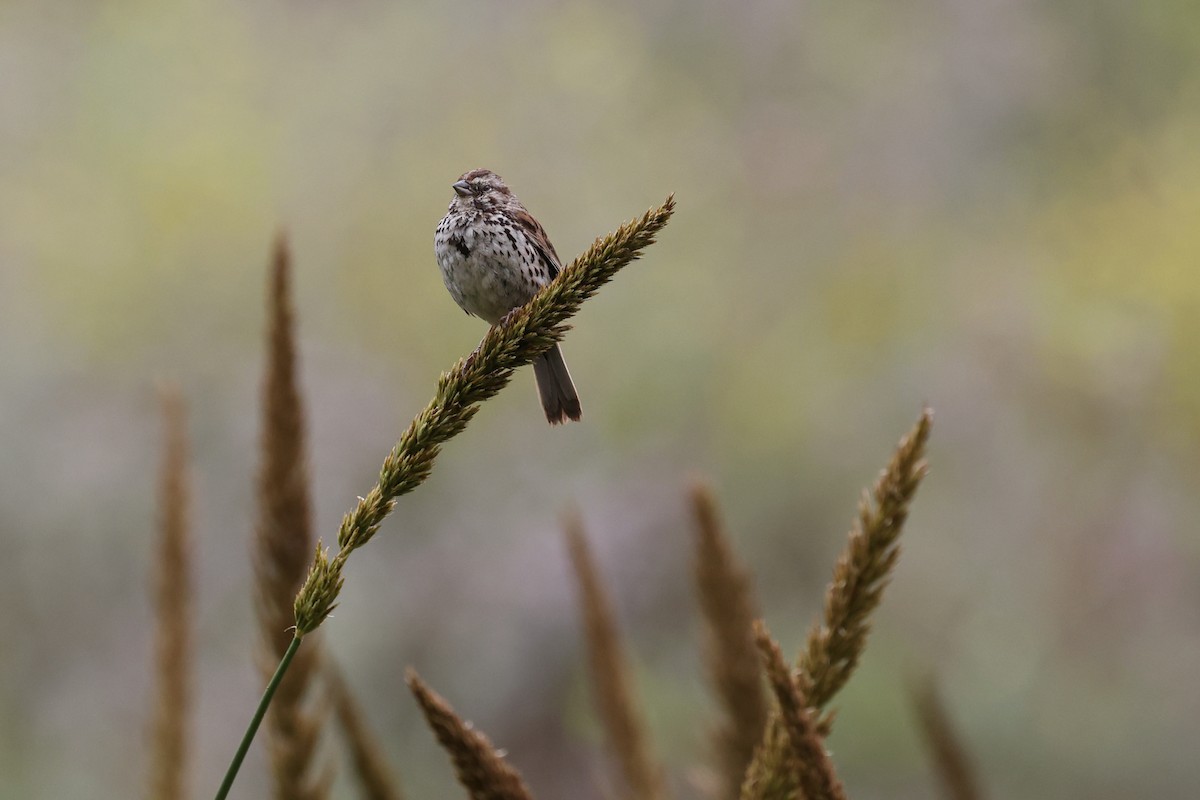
(989, 206)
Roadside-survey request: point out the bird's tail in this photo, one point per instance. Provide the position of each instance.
(559, 399)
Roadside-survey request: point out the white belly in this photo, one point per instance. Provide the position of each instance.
(488, 280)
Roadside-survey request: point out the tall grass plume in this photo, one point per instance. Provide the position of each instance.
(835, 644)
(481, 770)
(951, 762)
(370, 768)
(814, 769)
(612, 682)
(864, 569)
(726, 595)
(173, 608)
(283, 540)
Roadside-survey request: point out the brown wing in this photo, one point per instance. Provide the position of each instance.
(537, 235)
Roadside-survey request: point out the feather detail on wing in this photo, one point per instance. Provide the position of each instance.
(537, 235)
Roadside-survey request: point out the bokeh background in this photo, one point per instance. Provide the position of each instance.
(989, 206)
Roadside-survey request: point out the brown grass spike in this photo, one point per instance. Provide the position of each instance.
(727, 601)
(375, 779)
(950, 759)
(480, 768)
(283, 544)
(172, 600)
(773, 773)
(818, 781)
(861, 574)
(611, 681)
(863, 570)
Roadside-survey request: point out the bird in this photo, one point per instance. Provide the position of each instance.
(494, 257)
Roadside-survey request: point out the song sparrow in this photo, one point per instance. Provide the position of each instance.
(494, 257)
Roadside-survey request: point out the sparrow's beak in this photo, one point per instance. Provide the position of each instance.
(461, 189)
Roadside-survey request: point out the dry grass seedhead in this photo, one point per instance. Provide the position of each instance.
(953, 766)
(282, 543)
(479, 767)
(863, 570)
(172, 601)
(729, 607)
(612, 687)
(520, 337)
(772, 774)
(317, 599)
(283, 539)
(375, 779)
(817, 778)
(833, 648)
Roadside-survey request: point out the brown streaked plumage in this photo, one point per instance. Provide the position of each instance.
(494, 257)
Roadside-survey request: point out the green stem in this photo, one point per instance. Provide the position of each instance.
(236, 764)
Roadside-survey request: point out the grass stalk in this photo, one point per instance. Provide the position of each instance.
(256, 720)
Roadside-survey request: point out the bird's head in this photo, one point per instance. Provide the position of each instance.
(480, 189)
